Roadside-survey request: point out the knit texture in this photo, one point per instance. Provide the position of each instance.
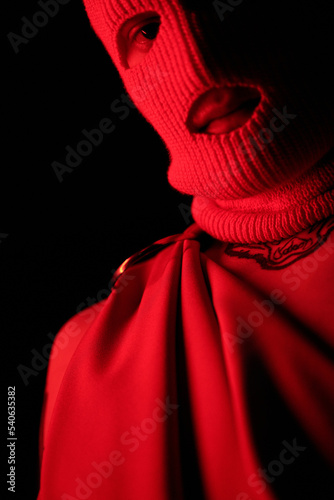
(249, 185)
(278, 213)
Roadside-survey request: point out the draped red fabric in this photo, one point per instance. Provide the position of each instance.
(202, 375)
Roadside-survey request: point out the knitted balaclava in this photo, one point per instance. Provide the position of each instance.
(271, 176)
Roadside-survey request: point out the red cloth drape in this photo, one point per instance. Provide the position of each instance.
(196, 374)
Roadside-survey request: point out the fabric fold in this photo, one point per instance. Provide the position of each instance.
(164, 369)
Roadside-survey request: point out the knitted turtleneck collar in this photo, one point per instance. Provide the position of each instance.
(273, 215)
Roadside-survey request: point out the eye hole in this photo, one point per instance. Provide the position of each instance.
(147, 32)
(137, 37)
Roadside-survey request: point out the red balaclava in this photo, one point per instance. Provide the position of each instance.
(271, 177)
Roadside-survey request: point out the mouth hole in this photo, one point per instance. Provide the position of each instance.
(249, 105)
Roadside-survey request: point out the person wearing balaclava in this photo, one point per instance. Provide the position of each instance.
(208, 371)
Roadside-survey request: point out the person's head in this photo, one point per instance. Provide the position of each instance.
(240, 91)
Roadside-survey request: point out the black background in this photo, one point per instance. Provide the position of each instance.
(61, 241)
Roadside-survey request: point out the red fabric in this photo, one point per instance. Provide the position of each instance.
(197, 371)
(272, 215)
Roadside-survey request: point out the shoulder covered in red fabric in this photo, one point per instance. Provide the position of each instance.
(73, 331)
(64, 345)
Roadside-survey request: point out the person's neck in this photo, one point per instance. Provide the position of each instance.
(278, 213)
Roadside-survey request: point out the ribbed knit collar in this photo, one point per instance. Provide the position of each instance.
(275, 214)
